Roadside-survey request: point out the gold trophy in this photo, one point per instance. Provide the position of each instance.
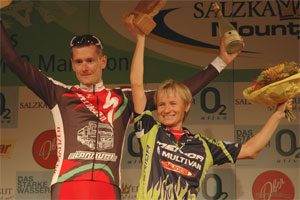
(144, 13)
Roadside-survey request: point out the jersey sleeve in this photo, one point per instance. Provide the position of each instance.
(143, 122)
(35, 80)
(201, 79)
(150, 99)
(222, 151)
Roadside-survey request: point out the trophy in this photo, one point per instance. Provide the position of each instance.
(144, 13)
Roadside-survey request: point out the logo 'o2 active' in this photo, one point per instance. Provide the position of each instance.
(293, 148)
(217, 101)
(219, 194)
(130, 145)
(5, 112)
(212, 104)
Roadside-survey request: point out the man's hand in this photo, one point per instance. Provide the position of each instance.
(4, 3)
(226, 57)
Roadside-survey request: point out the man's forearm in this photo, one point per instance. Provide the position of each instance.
(8, 53)
(204, 77)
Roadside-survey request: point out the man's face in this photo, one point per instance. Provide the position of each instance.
(171, 110)
(88, 65)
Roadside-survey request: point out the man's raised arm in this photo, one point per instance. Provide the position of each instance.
(200, 80)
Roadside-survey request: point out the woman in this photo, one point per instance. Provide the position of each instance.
(175, 160)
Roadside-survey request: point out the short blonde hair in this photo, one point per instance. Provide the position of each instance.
(175, 87)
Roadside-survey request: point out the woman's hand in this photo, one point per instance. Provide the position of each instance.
(135, 31)
(283, 107)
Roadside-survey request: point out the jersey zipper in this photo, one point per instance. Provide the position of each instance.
(96, 143)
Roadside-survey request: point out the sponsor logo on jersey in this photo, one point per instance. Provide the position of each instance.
(93, 134)
(88, 155)
(174, 148)
(175, 168)
(105, 110)
(174, 153)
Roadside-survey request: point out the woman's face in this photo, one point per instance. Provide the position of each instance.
(171, 110)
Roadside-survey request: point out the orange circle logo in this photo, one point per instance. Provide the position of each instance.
(44, 149)
(273, 185)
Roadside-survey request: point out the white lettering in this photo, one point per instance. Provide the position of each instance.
(86, 155)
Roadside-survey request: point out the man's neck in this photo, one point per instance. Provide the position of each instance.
(91, 88)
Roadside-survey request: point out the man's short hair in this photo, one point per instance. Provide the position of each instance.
(86, 40)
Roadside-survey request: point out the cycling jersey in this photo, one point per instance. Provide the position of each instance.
(90, 123)
(174, 170)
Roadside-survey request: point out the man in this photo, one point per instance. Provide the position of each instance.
(90, 120)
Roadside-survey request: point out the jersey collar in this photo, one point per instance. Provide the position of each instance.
(98, 87)
(186, 131)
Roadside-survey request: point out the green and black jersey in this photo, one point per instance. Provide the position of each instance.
(174, 170)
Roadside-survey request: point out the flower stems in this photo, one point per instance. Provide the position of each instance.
(289, 115)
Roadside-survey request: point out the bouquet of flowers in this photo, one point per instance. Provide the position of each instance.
(275, 85)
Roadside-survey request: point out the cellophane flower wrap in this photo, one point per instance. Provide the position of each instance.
(275, 85)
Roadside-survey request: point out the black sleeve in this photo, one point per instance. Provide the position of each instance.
(40, 84)
(150, 100)
(150, 105)
(201, 79)
(223, 151)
